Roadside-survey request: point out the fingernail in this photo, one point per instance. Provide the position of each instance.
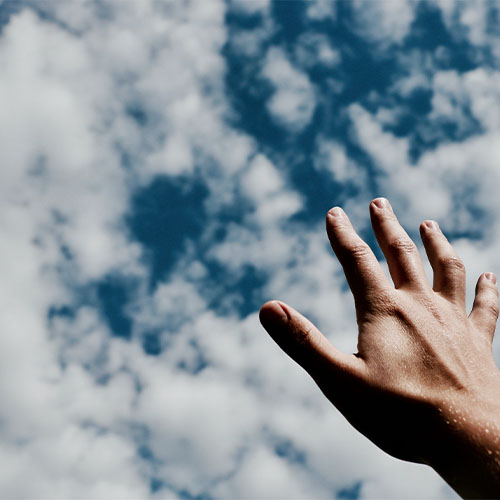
(491, 277)
(274, 315)
(381, 203)
(336, 212)
(284, 314)
(432, 224)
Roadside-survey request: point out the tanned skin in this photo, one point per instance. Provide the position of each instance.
(423, 385)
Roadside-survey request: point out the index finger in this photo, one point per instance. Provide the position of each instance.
(361, 268)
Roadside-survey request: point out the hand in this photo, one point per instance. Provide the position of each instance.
(423, 385)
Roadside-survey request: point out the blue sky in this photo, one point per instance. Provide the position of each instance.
(166, 169)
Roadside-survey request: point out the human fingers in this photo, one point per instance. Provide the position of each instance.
(305, 344)
(449, 270)
(400, 252)
(484, 312)
(361, 268)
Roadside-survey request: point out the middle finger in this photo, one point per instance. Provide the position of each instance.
(400, 252)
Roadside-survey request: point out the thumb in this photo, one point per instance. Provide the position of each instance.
(303, 342)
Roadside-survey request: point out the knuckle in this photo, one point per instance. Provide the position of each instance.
(452, 263)
(358, 251)
(488, 306)
(383, 303)
(493, 309)
(402, 245)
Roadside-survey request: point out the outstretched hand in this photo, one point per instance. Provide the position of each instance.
(423, 385)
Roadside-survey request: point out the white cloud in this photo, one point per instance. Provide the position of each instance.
(261, 179)
(474, 19)
(384, 22)
(197, 423)
(264, 185)
(333, 158)
(417, 68)
(293, 102)
(249, 42)
(315, 49)
(389, 152)
(321, 9)
(475, 23)
(477, 89)
(277, 479)
(73, 462)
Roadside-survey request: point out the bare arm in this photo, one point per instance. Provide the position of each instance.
(423, 386)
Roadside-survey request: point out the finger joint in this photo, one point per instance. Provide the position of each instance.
(452, 264)
(492, 309)
(402, 246)
(358, 252)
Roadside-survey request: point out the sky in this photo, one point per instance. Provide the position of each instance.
(166, 168)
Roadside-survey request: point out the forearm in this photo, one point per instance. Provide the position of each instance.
(467, 449)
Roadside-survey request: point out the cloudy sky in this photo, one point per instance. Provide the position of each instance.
(166, 167)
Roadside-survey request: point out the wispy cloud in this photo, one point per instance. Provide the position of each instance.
(292, 102)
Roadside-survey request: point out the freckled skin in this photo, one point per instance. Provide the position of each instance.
(423, 385)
